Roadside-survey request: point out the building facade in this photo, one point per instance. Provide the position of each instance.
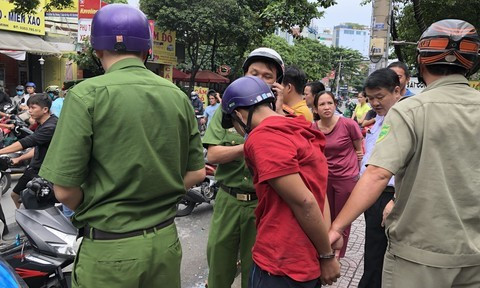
(355, 38)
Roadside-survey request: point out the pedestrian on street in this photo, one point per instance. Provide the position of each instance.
(430, 143)
(121, 171)
(361, 109)
(290, 177)
(344, 154)
(214, 103)
(403, 76)
(293, 83)
(232, 230)
(382, 89)
(311, 89)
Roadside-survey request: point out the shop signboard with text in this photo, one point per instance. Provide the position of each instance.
(68, 12)
(88, 8)
(164, 47)
(33, 23)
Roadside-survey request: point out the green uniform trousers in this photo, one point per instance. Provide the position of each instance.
(232, 231)
(401, 273)
(149, 260)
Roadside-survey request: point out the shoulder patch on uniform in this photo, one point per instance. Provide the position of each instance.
(383, 132)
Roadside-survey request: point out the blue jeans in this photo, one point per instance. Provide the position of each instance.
(262, 279)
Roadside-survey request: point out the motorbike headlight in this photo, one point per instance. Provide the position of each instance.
(66, 248)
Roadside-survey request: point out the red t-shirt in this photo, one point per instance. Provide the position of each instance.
(278, 147)
(341, 156)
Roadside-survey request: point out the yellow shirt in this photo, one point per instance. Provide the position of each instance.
(362, 110)
(301, 108)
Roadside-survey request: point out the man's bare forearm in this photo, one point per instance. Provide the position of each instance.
(365, 193)
(305, 208)
(224, 154)
(71, 197)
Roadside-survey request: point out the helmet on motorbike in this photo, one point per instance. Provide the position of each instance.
(267, 54)
(248, 91)
(120, 27)
(30, 84)
(450, 42)
(53, 89)
(193, 94)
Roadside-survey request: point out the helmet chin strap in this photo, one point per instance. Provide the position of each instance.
(247, 128)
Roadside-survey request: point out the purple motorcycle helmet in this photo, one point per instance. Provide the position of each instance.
(245, 92)
(120, 27)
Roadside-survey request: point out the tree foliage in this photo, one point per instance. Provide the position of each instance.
(84, 59)
(318, 60)
(27, 6)
(210, 29)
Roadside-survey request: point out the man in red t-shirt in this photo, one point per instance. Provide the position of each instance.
(290, 176)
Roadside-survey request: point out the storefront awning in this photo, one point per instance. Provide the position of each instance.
(25, 42)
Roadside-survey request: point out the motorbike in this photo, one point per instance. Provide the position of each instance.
(202, 127)
(8, 277)
(19, 131)
(204, 192)
(7, 169)
(48, 246)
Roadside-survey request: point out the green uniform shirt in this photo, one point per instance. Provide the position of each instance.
(234, 174)
(127, 138)
(431, 143)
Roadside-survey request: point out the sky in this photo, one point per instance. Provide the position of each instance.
(343, 11)
(346, 11)
(133, 2)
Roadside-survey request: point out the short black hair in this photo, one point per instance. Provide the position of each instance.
(382, 78)
(295, 76)
(316, 87)
(402, 66)
(211, 92)
(40, 99)
(445, 70)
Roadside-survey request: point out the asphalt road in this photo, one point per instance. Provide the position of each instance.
(192, 229)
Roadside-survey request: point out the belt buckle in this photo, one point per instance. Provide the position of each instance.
(244, 197)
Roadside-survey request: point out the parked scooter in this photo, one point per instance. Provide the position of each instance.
(50, 239)
(8, 277)
(204, 192)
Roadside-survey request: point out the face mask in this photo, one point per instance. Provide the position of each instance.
(51, 95)
(19, 93)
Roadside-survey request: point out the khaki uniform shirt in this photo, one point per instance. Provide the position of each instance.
(431, 143)
(127, 138)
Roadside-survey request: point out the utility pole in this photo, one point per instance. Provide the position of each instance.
(380, 34)
(338, 75)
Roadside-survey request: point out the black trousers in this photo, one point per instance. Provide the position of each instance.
(375, 242)
(262, 279)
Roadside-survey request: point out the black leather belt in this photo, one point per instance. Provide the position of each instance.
(389, 189)
(239, 194)
(95, 234)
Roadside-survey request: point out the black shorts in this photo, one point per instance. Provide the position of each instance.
(28, 175)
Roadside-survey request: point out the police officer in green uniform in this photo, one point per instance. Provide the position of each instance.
(120, 170)
(232, 230)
